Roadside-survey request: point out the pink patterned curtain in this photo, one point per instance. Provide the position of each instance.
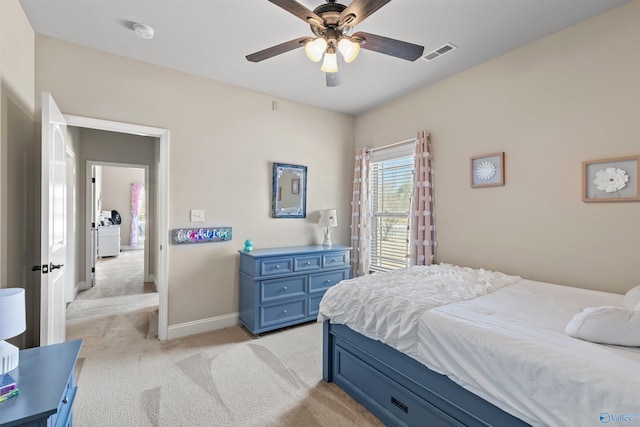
(361, 213)
(423, 232)
(136, 191)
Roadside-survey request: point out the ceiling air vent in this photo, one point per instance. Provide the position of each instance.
(440, 51)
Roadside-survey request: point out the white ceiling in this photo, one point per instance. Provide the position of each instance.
(210, 38)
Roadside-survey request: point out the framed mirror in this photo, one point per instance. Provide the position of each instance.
(289, 195)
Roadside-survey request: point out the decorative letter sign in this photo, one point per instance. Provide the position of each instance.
(200, 235)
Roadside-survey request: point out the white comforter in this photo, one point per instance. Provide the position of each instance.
(387, 306)
(507, 345)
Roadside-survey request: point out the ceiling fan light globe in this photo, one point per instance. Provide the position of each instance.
(315, 49)
(330, 63)
(348, 49)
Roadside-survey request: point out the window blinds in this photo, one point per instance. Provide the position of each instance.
(391, 185)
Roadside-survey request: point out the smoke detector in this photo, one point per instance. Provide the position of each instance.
(143, 31)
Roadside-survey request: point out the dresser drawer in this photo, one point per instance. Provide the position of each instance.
(273, 266)
(306, 263)
(335, 259)
(282, 313)
(314, 304)
(64, 415)
(275, 289)
(323, 281)
(398, 403)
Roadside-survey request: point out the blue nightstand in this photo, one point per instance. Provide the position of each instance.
(47, 383)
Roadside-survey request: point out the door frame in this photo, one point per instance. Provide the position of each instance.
(162, 189)
(90, 248)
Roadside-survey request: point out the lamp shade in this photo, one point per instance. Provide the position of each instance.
(12, 312)
(330, 63)
(328, 218)
(348, 49)
(315, 49)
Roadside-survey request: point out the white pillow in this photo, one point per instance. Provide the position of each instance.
(632, 299)
(607, 325)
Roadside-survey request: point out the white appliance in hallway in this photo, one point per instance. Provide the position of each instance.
(109, 234)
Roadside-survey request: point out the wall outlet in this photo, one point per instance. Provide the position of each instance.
(197, 215)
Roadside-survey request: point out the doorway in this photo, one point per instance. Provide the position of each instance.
(158, 256)
(117, 214)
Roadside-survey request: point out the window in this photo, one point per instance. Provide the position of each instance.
(391, 187)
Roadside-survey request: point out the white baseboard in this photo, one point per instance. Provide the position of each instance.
(76, 290)
(204, 325)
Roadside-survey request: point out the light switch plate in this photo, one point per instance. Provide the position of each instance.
(197, 215)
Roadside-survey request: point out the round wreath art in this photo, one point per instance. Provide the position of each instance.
(485, 170)
(611, 179)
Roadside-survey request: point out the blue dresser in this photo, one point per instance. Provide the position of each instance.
(283, 286)
(47, 383)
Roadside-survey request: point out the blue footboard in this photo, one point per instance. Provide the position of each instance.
(399, 390)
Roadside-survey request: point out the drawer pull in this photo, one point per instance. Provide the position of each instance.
(284, 311)
(65, 400)
(334, 260)
(308, 262)
(327, 281)
(399, 404)
(284, 288)
(277, 266)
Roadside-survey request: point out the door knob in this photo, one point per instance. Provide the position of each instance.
(53, 266)
(44, 268)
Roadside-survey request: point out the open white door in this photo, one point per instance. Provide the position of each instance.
(53, 224)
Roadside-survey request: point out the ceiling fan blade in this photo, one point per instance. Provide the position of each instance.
(334, 79)
(393, 47)
(358, 10)
(277, 50)
(295, 8)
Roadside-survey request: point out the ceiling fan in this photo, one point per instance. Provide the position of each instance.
(332, 24)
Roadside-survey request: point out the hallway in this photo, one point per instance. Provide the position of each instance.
(120, 291)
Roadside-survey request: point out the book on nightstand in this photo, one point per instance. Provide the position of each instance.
(9, 395)
(7, 384)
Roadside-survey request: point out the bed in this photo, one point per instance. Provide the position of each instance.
(453, 346)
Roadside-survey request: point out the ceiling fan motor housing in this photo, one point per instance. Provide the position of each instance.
(330, 14)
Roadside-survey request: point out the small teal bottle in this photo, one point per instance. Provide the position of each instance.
(248, 245)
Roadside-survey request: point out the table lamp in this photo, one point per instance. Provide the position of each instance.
(12, 323)
(328, 218)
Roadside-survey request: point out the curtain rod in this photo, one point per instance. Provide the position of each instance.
(392, 145)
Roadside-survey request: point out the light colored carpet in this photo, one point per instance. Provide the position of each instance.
(126, 377)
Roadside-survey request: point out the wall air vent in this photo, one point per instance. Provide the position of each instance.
(440, 51)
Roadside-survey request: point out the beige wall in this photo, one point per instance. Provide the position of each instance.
(17, 168)
(116, 194)
(570, 97)
(224, 140)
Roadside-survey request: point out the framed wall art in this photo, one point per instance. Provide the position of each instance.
(289, 194)
(611, 180)
(487, 170)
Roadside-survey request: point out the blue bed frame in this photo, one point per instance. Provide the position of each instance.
(399, 390)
